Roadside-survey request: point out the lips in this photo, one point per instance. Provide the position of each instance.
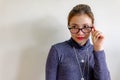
(80, 38)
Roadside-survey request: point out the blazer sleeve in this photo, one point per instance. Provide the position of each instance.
(51, 64)
(101, 71)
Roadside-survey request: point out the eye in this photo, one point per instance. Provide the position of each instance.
(86, 26)
(74, 26)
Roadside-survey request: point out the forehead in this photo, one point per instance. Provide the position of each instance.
(80, 20)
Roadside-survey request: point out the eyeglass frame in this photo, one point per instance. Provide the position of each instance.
(80, 29)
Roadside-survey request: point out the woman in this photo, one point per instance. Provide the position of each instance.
(77, 58)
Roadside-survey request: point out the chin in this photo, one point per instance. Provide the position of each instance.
(81, 42)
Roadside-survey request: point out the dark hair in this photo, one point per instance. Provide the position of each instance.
(79, 10)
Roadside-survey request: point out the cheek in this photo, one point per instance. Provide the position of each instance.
(73, 35)
(87, 35)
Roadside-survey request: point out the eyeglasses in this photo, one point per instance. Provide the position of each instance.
(85, 29)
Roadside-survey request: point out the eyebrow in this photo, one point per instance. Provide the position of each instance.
(75, 24)
(78, 25)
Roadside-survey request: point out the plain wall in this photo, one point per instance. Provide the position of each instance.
(28, 28)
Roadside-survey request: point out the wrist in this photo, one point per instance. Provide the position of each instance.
(96, 49)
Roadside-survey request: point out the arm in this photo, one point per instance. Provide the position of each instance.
(100, 67)
(52, 64)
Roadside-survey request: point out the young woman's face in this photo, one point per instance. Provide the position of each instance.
(80, 21)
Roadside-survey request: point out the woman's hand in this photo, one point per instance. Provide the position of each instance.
(97, 39)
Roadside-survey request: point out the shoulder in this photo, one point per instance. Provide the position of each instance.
(61, 45)
(60, 49)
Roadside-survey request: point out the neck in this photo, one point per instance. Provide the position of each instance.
(78, 45)
(82, 43)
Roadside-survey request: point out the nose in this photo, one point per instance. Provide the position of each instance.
(80, 32)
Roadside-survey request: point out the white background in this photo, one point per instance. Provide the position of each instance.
(28, 28)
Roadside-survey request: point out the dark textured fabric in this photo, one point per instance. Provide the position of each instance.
(61, 63)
